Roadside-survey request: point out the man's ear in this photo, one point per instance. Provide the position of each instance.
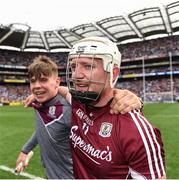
(58, 80)
(116, 72)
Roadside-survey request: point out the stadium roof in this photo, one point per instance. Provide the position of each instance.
(139, 25)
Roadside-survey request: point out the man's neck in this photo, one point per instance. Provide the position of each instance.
(106, 96)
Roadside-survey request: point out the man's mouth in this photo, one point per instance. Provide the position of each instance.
(82, 85)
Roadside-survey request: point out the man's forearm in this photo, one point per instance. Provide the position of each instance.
(64, 91)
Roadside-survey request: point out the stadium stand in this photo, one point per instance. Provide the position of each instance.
(150, 64)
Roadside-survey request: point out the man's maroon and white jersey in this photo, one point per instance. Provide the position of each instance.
(114, 146)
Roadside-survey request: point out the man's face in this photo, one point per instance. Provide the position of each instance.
(44, 88)
(88, 74)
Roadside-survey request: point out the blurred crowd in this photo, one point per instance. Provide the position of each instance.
(13, 93)
(156, 89)
(152, 48)
(132, 51)
(16, 58)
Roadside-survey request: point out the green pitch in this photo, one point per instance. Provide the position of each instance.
(166, 117)
(17, 125)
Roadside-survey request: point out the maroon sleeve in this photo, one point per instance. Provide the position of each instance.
(142, 146)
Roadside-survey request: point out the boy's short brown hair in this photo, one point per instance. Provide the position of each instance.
(42, 65)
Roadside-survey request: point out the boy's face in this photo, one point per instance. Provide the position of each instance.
(45, 87)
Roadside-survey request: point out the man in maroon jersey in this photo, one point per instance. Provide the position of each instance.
(107, 145)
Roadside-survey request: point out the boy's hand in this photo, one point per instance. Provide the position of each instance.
(23, 161)
(124, 101)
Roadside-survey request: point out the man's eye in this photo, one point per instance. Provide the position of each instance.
(88, 66)
(73, 66)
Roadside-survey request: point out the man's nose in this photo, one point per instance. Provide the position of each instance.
(78, 73)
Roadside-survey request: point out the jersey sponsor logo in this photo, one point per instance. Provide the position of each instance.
(88, 149)
(80, 113)
(105, 129)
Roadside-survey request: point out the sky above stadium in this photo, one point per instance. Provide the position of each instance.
(53, 14)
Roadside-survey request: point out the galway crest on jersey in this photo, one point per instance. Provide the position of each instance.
(105, 129)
